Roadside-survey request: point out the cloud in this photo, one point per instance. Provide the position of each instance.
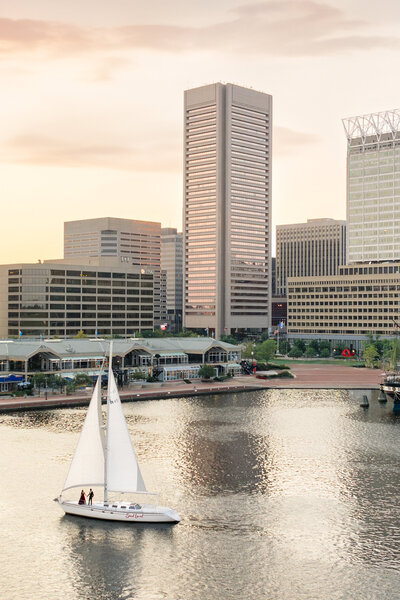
(271, 28)
(158, 155)
(286, 141)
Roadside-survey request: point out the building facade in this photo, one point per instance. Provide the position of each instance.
(137, 242)
(361, 300)
(168, 359)
(57, 299)
(172, 265)
(227, 197)
(373, 187)
(315, 248)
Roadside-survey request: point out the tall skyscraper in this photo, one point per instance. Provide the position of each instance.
(227, 196)
(171, 264)
(137, 242)
(317, 248)
(373, 187)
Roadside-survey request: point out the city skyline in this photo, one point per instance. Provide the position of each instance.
(86, 129)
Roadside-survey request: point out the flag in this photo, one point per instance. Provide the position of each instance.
(20, 333)
(163, 326)
(281, 324)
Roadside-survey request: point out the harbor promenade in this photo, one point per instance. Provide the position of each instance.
(306, 376)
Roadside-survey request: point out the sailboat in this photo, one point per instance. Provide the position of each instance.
(105, 457)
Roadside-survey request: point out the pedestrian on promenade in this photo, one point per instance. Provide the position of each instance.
(91, 494)
(82, 499)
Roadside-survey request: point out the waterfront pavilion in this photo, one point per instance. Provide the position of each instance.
(169, 359)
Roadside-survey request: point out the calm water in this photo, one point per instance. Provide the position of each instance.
(283, 495)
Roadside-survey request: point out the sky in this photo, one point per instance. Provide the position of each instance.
(92, 103)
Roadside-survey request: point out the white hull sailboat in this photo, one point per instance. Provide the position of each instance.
(104, 457)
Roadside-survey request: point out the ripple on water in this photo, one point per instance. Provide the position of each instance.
(283, 494)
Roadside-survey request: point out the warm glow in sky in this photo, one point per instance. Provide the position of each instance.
(92, 102)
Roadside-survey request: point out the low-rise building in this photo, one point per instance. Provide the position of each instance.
(103, 296)
(362, 299)
(168, 359)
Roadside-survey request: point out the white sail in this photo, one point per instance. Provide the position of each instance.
(87, 466)
(123, 473)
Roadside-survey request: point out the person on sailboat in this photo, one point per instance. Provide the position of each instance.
(82, 499)
(90, 496)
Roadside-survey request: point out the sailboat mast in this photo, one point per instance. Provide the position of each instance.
(110, 374)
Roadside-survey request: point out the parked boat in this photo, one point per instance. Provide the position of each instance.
(105, 458)
(390, 384)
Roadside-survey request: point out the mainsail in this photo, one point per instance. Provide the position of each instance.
(123, 473)
(87, 466)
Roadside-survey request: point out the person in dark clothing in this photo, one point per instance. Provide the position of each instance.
(82, 499)
(91, 494)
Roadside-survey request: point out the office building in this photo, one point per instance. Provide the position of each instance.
(309, 249)
(362, 299)
(227, 198)
(172, 266)
(60, 298)
(138, 242)
(373, 187)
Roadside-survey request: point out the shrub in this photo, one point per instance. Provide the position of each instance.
(138, 376)
(325, 353)
(206, 372)
(310, 352)
(285, 374)
(295, 352)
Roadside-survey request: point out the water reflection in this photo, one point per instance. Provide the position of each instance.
(108, 559)
(285, 495)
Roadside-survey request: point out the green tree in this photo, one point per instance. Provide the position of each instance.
(249, 347)
(206, 372)
(300, 344)
(81, 379)
(310, 352)
(39, 380)
(325, 353)
(229, 339)
(284, 346)
(315, 345)
(80, 334)
(295, 352)
(266, 350)
(370, 355)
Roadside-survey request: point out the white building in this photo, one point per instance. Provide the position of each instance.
(138, 242)
(227, 198)
(172, 265)
(373, 187)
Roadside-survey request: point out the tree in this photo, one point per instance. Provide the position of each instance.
(39, 380)
(57, 382)
(370, 355)
(206, 372)
(310, 352)
(266, 350)
(284, 346)
(300, 344)
(315, 345)
(325, 345)
(248, 349)
(325, 353)
(295, 352)
(81, 379)
(80, 334)
(228, 339)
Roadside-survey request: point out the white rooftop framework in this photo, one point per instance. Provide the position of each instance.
(375, 124)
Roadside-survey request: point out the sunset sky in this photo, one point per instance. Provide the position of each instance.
(92, 101)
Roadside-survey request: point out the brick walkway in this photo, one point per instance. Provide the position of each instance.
(306, 377)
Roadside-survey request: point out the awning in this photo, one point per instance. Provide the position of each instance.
(181, 368)
(10, 378)
(171, 353)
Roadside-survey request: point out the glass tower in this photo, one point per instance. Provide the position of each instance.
(373, 187)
